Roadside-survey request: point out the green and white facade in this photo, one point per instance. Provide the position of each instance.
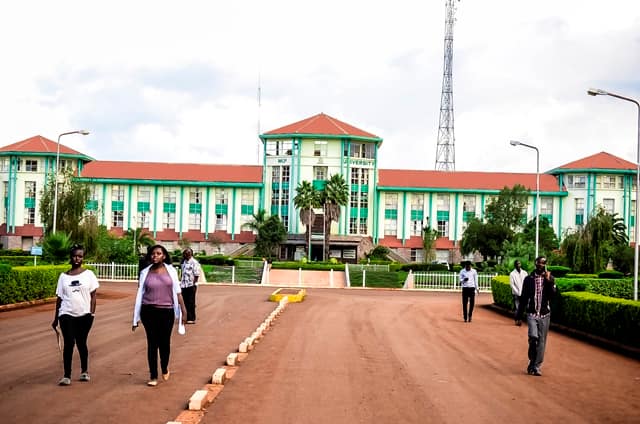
(209, 205)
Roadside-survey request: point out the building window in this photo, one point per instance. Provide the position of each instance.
(609, 205)
(443, 228)
(417, 255)
(279, 148)
(221, 222)
(30, 215)
(195, 196)
(30, 189)
(576, 181)
(353, 225)
(31, 165)
(355, 176)
(117, 218)
(4, 165)
(353, 199)
(169, 195)
(169, 220)
(117, 193)
(144, 194)
(390, 227)
(285, 174)
(606, 181)
(360, 150)
(579, 211)
(144, 219)
(285, 221)
(320, 173)
(416, 227)
(194, 221)
(320, 148)
(363, 226)
(364, 200)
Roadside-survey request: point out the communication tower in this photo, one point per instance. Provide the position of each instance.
(445, 151)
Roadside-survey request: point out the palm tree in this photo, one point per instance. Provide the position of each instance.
(334, 195)
(307, 198)
(259, 218)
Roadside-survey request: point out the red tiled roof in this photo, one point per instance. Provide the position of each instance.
(321, 124)
(464, 180)
(602, 160)
(172, 172)
(39, 144)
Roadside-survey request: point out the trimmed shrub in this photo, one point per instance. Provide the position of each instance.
(558, 271)
(611, 274)
(378, 279)
(501, 291)
(424, 267)
(613, 319)
(215, 260)
(26, 283)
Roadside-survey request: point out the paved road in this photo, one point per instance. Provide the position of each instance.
(342, 356)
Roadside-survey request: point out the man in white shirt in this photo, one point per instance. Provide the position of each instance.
(469, 283)
(515, 281)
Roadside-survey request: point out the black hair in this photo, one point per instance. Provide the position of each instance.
(73, 250)
(167, 256)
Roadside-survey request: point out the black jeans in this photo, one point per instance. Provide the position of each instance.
(189, 296)
(158, 323)
(468, 297)
(75, 331)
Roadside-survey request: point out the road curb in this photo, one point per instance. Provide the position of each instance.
(21, 305)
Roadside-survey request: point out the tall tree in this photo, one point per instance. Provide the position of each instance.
(334, 195)
(547, 239)
(259, 218)
(270, 235)
(589, 247)
(507, 209)
(429, 237)
(72, 200)
(486, 238)
(307, 198)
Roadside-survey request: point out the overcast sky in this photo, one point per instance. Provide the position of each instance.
(178, 81)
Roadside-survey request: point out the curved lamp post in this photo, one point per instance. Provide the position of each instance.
(598, 92)
(55, 192)
(518, 143)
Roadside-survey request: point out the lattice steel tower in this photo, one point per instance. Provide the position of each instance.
(445, 151)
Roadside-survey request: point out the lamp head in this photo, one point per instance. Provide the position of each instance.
(596, 92)
(514, 143)
(83, 132)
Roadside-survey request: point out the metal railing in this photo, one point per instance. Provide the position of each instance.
(368, 267)
(115, 272)
(448, 281)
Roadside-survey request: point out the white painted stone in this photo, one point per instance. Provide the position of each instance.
(219, 376)
(243, 348)
(232, 359)
(197, 400)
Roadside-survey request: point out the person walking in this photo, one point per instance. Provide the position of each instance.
(537, 291)
(189, 283)
(158, 303)
(469, 283)
(515, 281)
(75, 311)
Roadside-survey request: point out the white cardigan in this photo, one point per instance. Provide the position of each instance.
(176, 290)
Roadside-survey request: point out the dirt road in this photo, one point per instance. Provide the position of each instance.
(341, 356)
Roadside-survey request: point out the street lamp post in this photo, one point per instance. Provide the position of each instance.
(55, 192)
(598, 92)
(518, 143)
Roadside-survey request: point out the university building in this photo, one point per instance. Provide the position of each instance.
(210, 205)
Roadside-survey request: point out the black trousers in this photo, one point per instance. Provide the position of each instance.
(75, 331)
(468, 297)
(189, 296)
(158, 323)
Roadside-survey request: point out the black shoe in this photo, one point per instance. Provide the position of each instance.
(465, 320)
(537, 372)
(469, 319)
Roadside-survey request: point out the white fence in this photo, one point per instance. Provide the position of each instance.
(116, 272)
(369, 267)
(448, 281)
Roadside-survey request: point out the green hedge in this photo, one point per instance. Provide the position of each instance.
(612, 318)
(611, 274)
(215, 260)
(18, 260)
(318, 266)
(424, 267)
(607, 317)
(26, 283)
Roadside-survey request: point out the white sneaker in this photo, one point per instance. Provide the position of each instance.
(85, 376)
(64, 381)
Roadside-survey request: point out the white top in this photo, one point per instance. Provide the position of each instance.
(190, 270)
(75, 292)
(472, 274)
(515, 281)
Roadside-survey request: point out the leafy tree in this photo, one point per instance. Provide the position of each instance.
(72, 200)
(306, 199)
(486, 238)
(506, 210)
(270, 235)
(379, 253)
(429, 237)
(111, 248)
(334, 195)
(547, 239)
(140, 237)
(259, 218)
(590, 247)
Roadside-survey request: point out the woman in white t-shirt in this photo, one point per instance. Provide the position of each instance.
(75, 311)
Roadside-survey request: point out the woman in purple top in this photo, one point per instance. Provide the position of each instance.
(158, 303)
